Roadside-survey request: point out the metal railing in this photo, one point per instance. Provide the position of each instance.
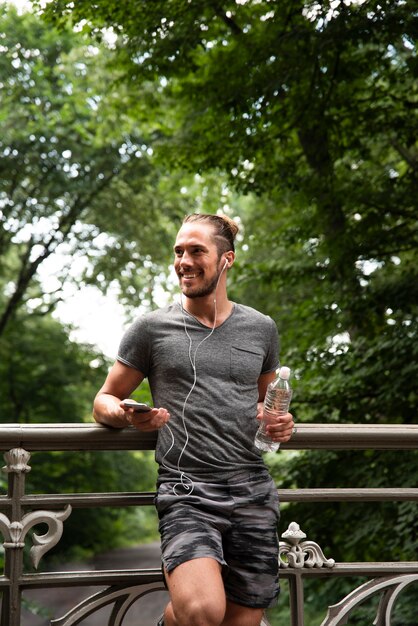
(299, 558)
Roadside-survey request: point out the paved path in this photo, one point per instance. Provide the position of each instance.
(56, 602)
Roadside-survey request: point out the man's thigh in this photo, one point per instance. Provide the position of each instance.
(196, 587)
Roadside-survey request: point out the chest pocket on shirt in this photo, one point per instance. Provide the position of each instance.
(246, 365)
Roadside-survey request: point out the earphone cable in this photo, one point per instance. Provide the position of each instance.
(185, 481)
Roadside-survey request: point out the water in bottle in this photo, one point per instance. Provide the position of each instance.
(276, 402)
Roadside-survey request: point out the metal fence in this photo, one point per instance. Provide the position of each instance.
(299, 559)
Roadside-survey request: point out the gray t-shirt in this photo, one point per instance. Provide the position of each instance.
(212, 433)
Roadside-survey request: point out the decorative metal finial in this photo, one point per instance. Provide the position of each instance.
(300, 553)
(17, 461)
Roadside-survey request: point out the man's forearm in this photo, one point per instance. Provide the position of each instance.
(107, 410)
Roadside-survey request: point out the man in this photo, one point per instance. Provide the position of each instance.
(208, 361)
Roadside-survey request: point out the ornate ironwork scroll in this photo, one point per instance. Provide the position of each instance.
(389, 587)
(121, 597)
(14, 532)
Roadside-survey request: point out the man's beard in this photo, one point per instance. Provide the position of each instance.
(204, 290)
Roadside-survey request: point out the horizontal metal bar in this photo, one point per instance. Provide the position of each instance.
(354, 437)
(74, 437)
(94, 500)
(143, 576)
(369, 570)
(348, 495)
(88, 500)
(308, 436)
(82, 578)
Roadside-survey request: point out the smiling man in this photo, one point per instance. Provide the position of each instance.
(208, 361)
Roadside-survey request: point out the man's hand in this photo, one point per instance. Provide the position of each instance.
(282, 427)
(146, 422)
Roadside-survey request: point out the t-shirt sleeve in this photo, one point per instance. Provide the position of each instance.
(134, 348)
(271, 362)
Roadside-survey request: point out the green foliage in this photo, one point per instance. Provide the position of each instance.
(72, 165)
(313, 109)
(44, 376)
(90, 531)
(354, 530)
(82, 189)
(351, 531)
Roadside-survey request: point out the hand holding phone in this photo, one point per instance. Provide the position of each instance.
(138, 407)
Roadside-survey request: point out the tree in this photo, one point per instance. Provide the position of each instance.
(45, 377)
(76, 175)
(312, 107)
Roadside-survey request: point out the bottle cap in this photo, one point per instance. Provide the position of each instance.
(284, 372)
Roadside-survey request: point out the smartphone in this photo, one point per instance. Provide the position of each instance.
(140, 407)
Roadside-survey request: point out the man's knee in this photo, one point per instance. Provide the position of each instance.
(198, 611)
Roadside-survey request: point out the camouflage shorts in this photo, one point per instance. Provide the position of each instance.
(235, 523)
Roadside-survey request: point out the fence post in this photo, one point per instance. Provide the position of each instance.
(16, 467)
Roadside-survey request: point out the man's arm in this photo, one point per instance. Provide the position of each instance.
(283, 428)
(119, 384)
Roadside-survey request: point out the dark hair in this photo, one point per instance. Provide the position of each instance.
(225, 229)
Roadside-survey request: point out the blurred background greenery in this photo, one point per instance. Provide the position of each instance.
(299, 120)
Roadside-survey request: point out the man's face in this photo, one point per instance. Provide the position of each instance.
(196, 261)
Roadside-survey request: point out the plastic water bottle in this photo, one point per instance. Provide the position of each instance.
(276, 402)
